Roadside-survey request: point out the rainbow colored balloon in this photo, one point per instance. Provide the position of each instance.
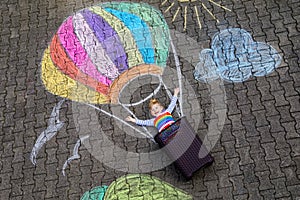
(98, 50)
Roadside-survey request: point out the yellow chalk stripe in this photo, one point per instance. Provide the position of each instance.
(133, 54)
(59, 84)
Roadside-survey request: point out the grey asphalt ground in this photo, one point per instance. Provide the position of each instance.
(257, 155)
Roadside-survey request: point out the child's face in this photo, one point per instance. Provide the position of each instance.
(156, 109)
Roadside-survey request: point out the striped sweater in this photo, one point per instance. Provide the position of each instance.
(163, 120)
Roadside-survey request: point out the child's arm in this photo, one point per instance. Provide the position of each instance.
(173, 101)
(149, 122)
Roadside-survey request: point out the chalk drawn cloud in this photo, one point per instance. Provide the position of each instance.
(235, 57)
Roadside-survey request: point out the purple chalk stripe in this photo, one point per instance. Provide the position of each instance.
(77, 53)
(108, 38)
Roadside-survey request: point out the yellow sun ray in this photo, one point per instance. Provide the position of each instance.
(170, 7)
(209, 12)
(177, 11)
(186, 3)
(163, 3)
(198, 18)
(219, 5)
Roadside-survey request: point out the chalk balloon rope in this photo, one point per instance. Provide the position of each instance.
(120, 33)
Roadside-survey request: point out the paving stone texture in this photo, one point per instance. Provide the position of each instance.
(256, 157)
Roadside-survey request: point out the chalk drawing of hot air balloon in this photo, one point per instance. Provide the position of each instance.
(98, 50)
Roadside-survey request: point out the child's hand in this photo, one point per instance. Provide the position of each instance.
(130, 119)
(176, 91)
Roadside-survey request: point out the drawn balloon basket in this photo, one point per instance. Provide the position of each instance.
(99, 50)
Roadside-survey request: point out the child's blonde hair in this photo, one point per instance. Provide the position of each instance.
(153, 102)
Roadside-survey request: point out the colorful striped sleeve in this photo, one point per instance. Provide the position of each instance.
(149, 122)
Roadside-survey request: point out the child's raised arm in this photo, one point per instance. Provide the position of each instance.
(173, 101)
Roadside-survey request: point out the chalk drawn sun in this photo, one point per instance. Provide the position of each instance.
(184, 6)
